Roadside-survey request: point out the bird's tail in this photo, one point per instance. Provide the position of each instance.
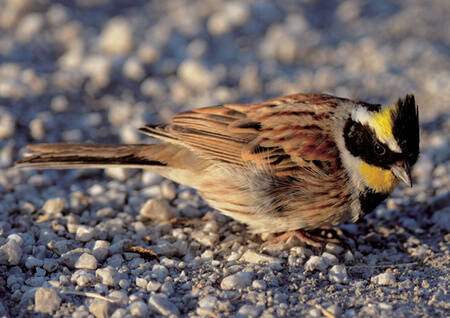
(75, 156)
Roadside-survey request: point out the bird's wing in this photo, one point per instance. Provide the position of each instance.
(284, 134)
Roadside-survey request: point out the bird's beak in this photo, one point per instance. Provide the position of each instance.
(403, 173)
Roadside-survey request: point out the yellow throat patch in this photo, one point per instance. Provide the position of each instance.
(381, 180)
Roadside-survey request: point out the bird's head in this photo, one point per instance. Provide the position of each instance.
(386, 140)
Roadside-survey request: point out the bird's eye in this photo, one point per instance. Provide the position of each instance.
(379, 149)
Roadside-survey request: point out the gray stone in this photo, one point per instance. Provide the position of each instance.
(85, 233)
(101, 250)
(32, 262)
(160, 272)
(384, 279)
(108, 276)
(10, 253)
(82, 278)
(156, 210)
(442, 219)
(138, 309)
(116, 36)
(316, 263)
(54, 206)
(100, 308)
(46, 300)
(237, 281)
(251, 256)
(338, 274)
(86, 261)
(259, 284)
(248, 310)
(70, 258)
(162, 305)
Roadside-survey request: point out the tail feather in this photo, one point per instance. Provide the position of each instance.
(74, 156)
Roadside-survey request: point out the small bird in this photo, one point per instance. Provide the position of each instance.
(288, 165)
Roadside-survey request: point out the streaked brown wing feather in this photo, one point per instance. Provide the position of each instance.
(285, 134)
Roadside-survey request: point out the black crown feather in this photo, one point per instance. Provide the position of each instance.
(406, 127)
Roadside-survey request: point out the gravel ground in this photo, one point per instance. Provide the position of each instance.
(77, 242)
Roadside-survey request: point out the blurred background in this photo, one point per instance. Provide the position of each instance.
(98, 69)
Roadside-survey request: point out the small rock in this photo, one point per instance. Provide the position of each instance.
(334, 248)
(253, 257)
(330, 258)
(107, 275)
(138, 309)
(7, 124)
(248, 310)
(30, 26)
(259, 284)
(116, 36)
(100, 308)
(71, 257)
(82, 278)
(196, 76)
(101, 250)
(59, 103)
(168, 190)
(33, 262)
(46, 300)
(160, 272)
(442, 219)
(54, 206)
(206, 239)
(85, 233)
(207, 302)
(384, 279)
(119, 313)
(133, 69)
(237, 281)
(153, 286)
(161, 304)
(10, 253)
(118, 173)
(120, 296)
(86, 261)
(316, 263)
(338, 274)
(156, 210)
(50, 265)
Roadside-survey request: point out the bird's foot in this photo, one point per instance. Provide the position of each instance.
(308, 238)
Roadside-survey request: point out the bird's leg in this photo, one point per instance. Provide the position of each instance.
(303, 236)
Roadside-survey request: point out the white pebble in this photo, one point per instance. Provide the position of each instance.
(54, 206)
(161, 304)
(46, 300)
(138, 309)
(10, 253)
(101, 250)
(7, 124)
(133, 69)
(107, 275)
(384, 279)
(338, 274)
(196, 76)
(85, 233)
(237, 281)
(156, 210)
(116, 36)
(86, 261)
(316, 263)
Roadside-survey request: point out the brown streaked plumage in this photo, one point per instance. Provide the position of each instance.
(276, 166)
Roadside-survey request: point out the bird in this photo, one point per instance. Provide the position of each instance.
(288, 165)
